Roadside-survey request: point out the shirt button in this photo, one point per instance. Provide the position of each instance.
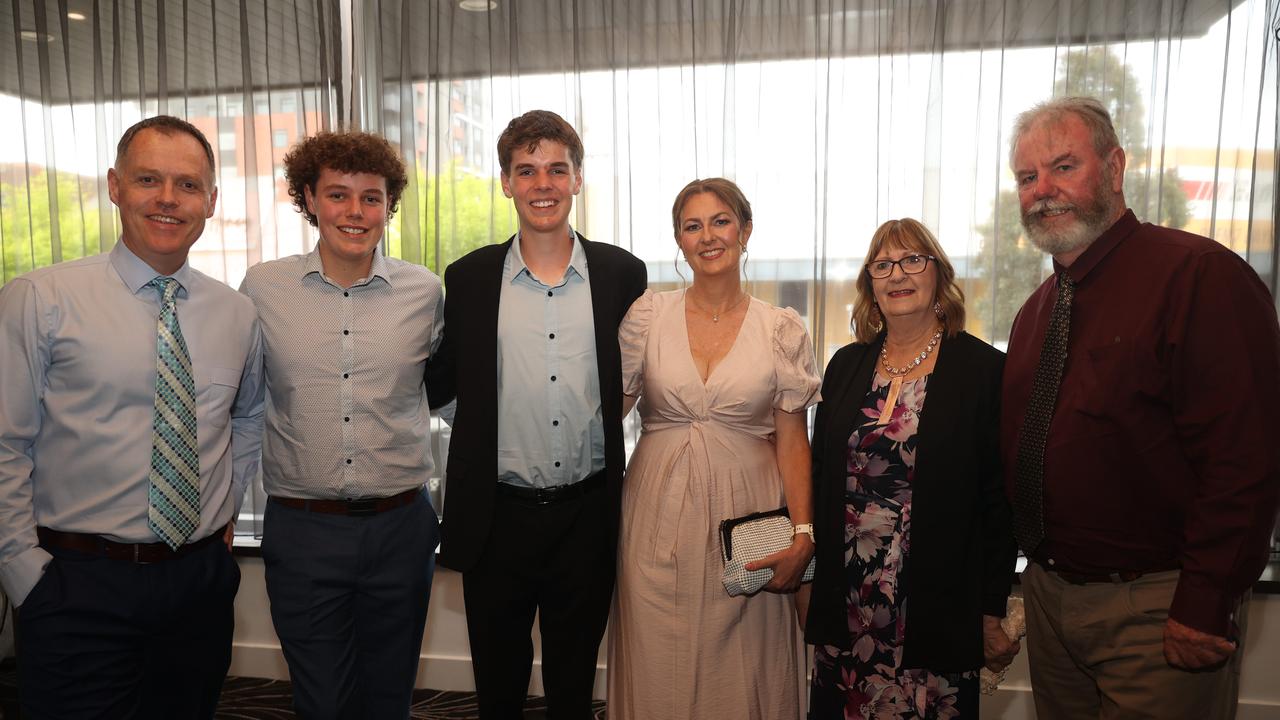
(348, 461)
(550, 294)
(555, 423)
(1051, 561)
(346, 419)
(346, 332)
(346, 294)
(346, 375)
(553, 378)
(557, 463)
(552, 336)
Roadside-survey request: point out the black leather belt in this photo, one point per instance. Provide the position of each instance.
(131, 552)
(550, 495)
(1087, 578)
(355, 507)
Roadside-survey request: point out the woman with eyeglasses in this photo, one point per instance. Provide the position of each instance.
(915, 549)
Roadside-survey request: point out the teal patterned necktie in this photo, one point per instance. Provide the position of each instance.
(174, 496)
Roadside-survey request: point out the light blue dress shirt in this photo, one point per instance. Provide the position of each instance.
(77, 397)
(347, 411)
(550, 427)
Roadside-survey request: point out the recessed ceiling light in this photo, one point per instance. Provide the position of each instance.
(477, 5)
(75, 16)
(33, 36)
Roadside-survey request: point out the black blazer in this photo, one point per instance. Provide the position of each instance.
(465, 366)
(962, 553)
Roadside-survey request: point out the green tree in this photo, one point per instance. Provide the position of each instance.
(1100, 74)
(1009, 264)
(26, 222)
(454, 213)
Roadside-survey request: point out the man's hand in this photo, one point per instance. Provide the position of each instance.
(788, 564)
(997, 649)
(1190, 649)
(229, 535)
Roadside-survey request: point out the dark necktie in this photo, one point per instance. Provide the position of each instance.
(1028, 484)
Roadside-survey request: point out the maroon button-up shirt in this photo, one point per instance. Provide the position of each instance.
(1164, 448)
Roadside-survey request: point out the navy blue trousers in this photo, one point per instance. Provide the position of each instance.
(101, 638)
(349, 602)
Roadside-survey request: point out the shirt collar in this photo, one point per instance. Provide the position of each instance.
(136, 273)
(516, 265)
(313, 264)
(1100, 248)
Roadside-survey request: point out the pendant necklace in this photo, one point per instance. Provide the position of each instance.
(715, 316)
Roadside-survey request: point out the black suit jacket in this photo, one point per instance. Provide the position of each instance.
(961, 560)
(465, 366)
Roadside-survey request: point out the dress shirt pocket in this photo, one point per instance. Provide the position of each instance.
(1106, 376)
(216, 387)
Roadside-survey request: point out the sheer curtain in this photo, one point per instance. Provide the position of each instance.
(74, 74)
(832, 116)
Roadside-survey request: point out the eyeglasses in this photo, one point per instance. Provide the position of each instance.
(911, 265)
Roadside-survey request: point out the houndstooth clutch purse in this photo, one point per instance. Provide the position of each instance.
(751, 537)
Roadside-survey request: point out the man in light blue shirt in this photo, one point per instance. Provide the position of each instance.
(103, 361)
(349, 537)
(535, 465)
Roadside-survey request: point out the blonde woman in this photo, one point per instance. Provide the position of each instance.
(723, 381)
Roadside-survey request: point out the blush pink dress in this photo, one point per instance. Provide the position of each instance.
(679, 646)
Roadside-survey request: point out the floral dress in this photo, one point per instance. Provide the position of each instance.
(869, 681)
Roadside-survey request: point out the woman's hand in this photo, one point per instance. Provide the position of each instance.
(997, 648)
(788, 564)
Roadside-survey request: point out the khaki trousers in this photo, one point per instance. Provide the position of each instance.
(1097, 651)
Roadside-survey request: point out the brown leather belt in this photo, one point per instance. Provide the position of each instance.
(355, 507)
(130, 552)
(1087, 578)
(550, 495)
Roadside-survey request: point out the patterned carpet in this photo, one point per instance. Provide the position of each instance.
(257, 699)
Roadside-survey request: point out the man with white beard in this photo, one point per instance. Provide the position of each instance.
(1140, 417)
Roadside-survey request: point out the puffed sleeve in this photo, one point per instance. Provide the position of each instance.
(633, 336)
(794, 365)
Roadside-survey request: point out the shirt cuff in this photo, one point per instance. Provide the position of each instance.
(21, 574)
(1201, 604)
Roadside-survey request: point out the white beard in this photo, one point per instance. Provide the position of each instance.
(1090, 222)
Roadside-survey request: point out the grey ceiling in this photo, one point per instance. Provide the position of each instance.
(151, 48)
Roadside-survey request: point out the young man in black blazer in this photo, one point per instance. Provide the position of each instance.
(534, 475)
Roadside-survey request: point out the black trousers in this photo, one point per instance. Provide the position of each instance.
(557, 560)
(101, 638)
(349, 603)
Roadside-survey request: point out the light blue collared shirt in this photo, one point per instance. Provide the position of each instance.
(347, 413)
(550, 426)
(77, 399)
